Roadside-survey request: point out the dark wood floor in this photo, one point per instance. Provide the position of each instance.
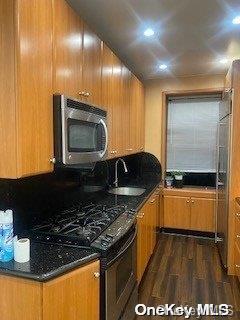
(187, 271)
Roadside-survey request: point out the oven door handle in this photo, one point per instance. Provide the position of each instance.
(124, 248)
(106, 137)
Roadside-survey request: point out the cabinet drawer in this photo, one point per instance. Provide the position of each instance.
(237, 260)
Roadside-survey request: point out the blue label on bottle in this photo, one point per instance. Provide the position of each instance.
(7, 242)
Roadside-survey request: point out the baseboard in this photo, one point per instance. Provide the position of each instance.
(184, 232)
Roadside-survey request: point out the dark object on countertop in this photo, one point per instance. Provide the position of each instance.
(48, 261)
(200, 179)
(178, 184)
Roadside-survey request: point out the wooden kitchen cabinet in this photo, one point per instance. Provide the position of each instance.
(189, 208)
(176, 212)
(202, 214)
(74, 296)
(236, 241)
(40, 55)
(26, 138)
(91, 67)
(125, 112)
(67, 43)
(146, 238)
(137, 115)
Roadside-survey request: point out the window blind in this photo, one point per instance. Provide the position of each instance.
(192, 134)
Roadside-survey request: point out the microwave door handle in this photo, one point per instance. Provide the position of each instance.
(106, 136)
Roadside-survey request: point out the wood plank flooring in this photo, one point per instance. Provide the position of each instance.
(187, 271)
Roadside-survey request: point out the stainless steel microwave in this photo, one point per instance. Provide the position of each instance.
(80, 132)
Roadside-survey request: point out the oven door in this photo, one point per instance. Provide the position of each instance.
(121, 279)
(84, 137)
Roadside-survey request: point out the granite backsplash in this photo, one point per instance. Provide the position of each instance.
(35, 197)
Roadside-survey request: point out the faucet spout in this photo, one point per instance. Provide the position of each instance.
(116, 170)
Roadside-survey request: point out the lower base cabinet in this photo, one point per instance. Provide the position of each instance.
(189, 209)
(146, 238)
(74, 296)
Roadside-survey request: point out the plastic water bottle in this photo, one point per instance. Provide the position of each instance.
(7, 238)
(1, 233)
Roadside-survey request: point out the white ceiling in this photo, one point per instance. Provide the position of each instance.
(190, 35)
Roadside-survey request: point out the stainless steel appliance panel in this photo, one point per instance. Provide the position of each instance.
(224, 143)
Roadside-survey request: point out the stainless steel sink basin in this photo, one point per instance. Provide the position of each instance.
(127, 191)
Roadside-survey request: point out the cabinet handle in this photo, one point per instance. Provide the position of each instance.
(130, 149)
(53, 160)
(96, 274)
(237, 265)
(87, 94)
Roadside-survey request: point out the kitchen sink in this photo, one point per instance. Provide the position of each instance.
(127, 191)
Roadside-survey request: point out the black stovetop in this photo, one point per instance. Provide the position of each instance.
(78, 225)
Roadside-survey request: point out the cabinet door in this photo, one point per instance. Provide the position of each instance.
(116, 108)
(154, 211)
(20, 299)
(68, 32)
(137, 116)
(91, 72)
(140, 247)
(73, 296)
(176, 212)
(202, 214)
(125, 111)
(107, 92)
(141, 117)
(34, 87)
(133, 114)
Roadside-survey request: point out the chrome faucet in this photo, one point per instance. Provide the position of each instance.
(116, 170)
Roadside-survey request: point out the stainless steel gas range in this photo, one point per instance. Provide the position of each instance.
(110, 230)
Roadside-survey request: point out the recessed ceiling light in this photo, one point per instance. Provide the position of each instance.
(149, 32)
(223, 60)
(236, 20)
(163, 67)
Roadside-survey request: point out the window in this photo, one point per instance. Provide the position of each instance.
(192, 134)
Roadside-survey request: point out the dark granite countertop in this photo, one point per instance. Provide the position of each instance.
(51, 260)
(48, 261)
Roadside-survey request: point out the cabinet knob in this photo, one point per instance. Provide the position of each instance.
(188, 201)
(82, 93)
(141, 149)
(238, 235)
(237, 266)
(238, 214)
(96, 274)
(87, 94)
(152, 201)
(53, 160)
(192, 201)
(140, 215)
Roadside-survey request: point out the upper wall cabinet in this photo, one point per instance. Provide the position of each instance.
(26, 144)
(68, 32)
(91, 71)
(137, 115)
(46, 48)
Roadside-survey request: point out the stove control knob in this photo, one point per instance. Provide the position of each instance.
(109, 237)
(104, 242)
